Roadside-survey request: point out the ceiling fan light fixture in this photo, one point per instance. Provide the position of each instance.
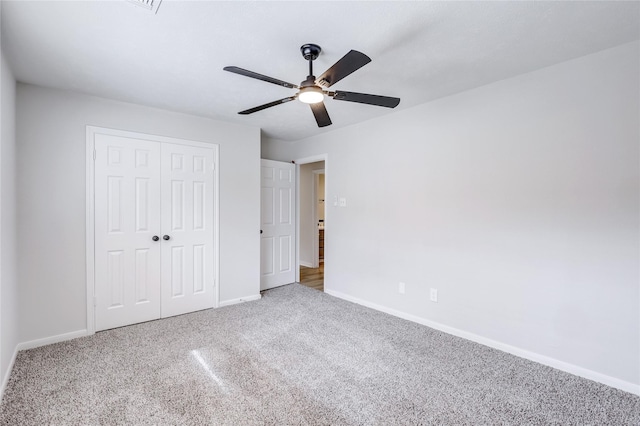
(310, 95)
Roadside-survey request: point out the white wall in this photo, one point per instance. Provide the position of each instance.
(8, 278)
(518, 201)
(51, 135)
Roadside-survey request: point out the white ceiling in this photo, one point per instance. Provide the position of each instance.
(420, 50)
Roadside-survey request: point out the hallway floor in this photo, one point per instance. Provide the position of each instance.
(312, 277)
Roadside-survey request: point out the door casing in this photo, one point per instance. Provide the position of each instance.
(299, 162)
(315, 198)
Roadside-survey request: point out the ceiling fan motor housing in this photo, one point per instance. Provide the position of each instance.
(310, 81)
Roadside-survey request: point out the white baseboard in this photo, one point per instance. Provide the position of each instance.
(52, 339)
(240, 300)
(522, 353)
(306, 264)
(7, 374)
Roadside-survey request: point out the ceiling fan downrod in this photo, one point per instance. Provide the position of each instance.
(310, 52)
(310, 92)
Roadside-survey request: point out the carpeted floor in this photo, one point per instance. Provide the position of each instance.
(298, 356)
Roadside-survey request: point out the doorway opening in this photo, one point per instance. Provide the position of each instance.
(311, 222)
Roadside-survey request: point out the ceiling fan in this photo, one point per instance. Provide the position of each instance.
(311, 91)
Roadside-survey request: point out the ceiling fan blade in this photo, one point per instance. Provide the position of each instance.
(321, 114)
(363, 98)
(349, 63)
(269, 105)
(255, 75)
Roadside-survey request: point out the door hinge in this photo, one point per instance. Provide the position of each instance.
(95, 301)
(94, 155)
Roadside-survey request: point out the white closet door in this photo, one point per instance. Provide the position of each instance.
(187, 223)
(127, 202)
(277, 217)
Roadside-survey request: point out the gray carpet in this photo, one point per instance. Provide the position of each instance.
(297, 357)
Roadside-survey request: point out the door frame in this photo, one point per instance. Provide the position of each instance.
(314, 214)
(299, 162)
(91, 131)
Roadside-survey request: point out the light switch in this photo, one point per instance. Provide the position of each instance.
(335, 201)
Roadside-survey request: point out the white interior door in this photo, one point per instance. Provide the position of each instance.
(187, 223)
(127, 259)
(277, 250)
(153, 229)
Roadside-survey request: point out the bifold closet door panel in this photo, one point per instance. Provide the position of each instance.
(187, 222)
(127, 217)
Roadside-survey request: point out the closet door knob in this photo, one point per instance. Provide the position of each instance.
(155, 238)
(166, 237)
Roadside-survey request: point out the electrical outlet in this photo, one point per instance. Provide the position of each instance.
(401, 288)
(343, 202)
(434, 295)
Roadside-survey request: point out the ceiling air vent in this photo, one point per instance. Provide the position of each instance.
(150, 5)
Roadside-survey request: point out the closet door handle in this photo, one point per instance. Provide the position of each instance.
(166, 237)
(155, 238)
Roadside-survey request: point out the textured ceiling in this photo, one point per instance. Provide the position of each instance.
(420, 50)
